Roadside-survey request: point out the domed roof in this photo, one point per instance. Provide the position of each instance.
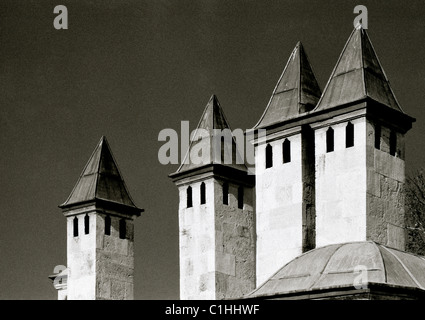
(342, 265)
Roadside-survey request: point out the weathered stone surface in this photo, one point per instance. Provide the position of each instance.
(226, 263)
(213, 236)
(95, 260)
(359, 190)
(118, 290)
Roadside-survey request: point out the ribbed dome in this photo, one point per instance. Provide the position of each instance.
(337, 265)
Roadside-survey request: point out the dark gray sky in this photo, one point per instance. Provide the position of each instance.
(128, 69)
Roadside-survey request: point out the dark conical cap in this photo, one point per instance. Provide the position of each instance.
(100, 180)
(296, 92)
(358, 75)
(212, 119)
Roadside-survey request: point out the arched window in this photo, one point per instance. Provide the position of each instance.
(349, 135)
(225, 193)
(189, 197)
(108, 225)
(123, 228)
(377, 136)
(269, 156)
(286, 151)
(75, 222)
(393, 143)
(240, 197)
(86, 224)
(203, 196)
(330, 140)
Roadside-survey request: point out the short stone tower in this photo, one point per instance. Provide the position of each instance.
(360, 151)
(284, 169)
(216, 214)
(100, 232)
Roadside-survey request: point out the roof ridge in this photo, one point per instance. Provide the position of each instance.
(121, 178)
(194, 134)
(82, 172)
(377, 245)
(362, 59)
(275, 88)
(405, 268)
(100, 145)
(333, 70)
(384, 73)
(284, 104)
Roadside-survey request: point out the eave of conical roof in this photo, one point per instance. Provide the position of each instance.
(100, 180)
(357, 76)
(295, 93)
(212, 122)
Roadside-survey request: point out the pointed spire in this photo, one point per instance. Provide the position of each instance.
(100, 180)
(212, 122)
(296, 92)
(213, 116)
(358, 75)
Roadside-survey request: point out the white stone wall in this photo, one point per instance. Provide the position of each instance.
(341, 178)
(81, 256)
(278, 207)
(359, 190)
(100, 266)
(63, 294)
(217, 246)
(197, 243)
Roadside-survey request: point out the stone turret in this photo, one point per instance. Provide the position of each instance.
(359, 150)
(284, 168)
(100, 233)
(216, 213)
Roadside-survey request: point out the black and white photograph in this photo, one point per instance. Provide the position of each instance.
(225, 151)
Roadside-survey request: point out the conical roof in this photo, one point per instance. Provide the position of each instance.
(296, 92)
(207, 136)
(100, 180)
(358, 75)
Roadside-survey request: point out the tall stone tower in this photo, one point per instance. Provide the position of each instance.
(100, 231)
(284, 169)
(216, 213)
(359, 151)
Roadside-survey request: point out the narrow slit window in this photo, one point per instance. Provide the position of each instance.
(269, 156)
(203, 196)
(222, 149)
(240, 197)
(86, 224)
(393, 143)
(75, 224)
(330, 140)
(286, 151)
(349, 135)
(189, 197)
(225, 193)
(108, 225)
(378, 137)
(123, 228)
